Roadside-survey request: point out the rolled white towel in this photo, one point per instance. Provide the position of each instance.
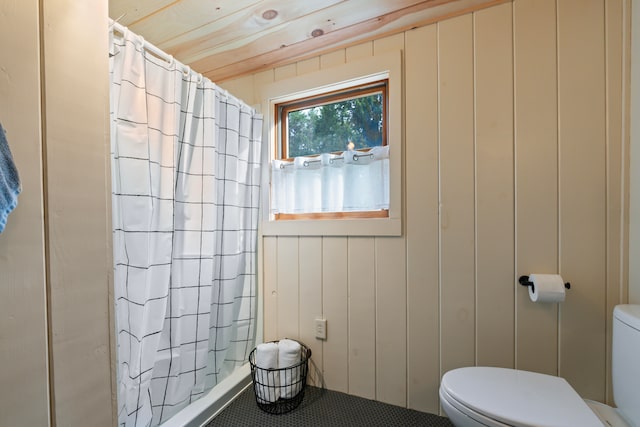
(289, 353)
(267, 382)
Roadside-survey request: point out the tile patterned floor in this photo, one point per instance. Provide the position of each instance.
(322, 407)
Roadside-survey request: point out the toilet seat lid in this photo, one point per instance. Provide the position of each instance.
(519, 398)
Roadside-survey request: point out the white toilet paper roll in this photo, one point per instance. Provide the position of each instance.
(546, 288)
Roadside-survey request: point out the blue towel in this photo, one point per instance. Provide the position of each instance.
(9, 181)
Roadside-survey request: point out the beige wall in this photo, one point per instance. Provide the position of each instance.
(23, 330)
(55, 256)
(514, 163)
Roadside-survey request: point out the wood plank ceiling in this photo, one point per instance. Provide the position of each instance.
(228, 38)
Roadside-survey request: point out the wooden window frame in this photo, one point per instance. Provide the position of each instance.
(357, 91)
(281, 113)
(385, 65)
(382, 213)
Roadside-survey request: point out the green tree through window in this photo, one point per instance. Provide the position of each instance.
(330, 127)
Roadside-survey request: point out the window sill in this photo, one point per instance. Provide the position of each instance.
(332, 215)
(334, 227)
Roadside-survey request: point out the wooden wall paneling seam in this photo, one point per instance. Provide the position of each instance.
(362, 314)
(269, 244)
(515, 191)
(307, 66)
(617, 34)
(535, 119)
(440, 219)
(363, 50)
(391, 289)
(390, 43)
(242, 88)
(422, 230)
(335, 290)
(288, 288)
(626, 127)
(285, 72)
(77, 208)
(455, 73)
(336, 311)
(613, 49)
(334, 58)
(24, 397)
(260, 80)
(311, 278)
(494, 186)
(581, 130)
(310, 261)
(391, 338)
(270, 274)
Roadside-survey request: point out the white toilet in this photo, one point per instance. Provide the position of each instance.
(481, 396)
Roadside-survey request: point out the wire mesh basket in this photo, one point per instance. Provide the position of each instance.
(281, 390)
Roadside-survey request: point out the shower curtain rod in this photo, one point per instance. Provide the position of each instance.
(114, 25)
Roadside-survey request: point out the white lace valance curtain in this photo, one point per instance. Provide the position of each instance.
(353, 181)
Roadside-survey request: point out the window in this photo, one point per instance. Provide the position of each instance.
(354, 119)
(336, 150)
(333, 160)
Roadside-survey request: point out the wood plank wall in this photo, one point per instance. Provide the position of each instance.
(633, 98)
(55, 253)
(515, 151)
(24, 395)
(78, 196)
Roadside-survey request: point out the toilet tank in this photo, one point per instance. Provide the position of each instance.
(626, 361)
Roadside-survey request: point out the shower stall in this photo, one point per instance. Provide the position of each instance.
(185, 195)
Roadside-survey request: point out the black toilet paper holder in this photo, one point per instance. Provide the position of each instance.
(524, 281)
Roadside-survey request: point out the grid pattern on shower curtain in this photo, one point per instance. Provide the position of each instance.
(186, 175)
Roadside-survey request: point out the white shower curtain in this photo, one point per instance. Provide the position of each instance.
(186, 174)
